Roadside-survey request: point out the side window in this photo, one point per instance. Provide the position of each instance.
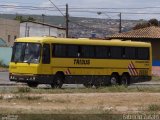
(46, 54)
(130, 52)
(72, 51)
(143, 53)
(101, 52)
(59, 50)
(116, 52)
(124, 52)
(87, 51)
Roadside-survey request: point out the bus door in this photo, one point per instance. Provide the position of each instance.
(46, 59)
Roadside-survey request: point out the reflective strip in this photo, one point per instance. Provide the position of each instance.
(67, 72)
(132, 70)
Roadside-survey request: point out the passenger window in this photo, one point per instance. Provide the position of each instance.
(130, 53)
(87, 51)
(46, 54)
(59, 51)
(102, 52)
(72, 51)
(143, 53)
(116, 52)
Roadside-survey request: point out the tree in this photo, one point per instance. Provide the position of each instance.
(22, 19)
(140, 26)
(151, 22)
(31, 19)
(19, 18)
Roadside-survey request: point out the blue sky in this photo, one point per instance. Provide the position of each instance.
(88, 4)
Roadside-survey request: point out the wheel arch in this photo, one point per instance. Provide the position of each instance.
(126, 73)
(116, 73)
(60, 73)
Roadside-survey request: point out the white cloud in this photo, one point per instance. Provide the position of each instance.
(46, 4)
(8, 7)
(91, 4)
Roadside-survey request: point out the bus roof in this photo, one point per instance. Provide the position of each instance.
(83, 41)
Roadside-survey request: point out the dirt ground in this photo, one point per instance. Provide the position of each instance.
(78, 102)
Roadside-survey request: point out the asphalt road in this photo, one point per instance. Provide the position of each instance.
(4, 77)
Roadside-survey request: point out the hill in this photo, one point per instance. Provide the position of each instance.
(82, 27)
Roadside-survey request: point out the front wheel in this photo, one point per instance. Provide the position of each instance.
(32, 84)
(58, 82)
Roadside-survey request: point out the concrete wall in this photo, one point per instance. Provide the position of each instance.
(9, 30)
(29, 29)
(5, 55)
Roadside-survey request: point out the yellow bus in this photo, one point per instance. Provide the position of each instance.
(58, 61)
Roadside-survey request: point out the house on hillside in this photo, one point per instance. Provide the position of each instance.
(30, 29)
(149, 34)
(9, 31)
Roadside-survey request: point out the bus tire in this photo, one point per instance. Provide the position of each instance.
(87, 85)
(114, 79)
(125, 79)
(32, 84)
(58, 81)
(97, 85)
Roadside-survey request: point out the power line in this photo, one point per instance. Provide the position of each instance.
(81, 8)
(114, 8)
(57, 8)
(72, 10)
(26, 7)
(29, 3)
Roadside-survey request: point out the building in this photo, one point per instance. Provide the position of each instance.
(30, 29)
(9, 30)
(149, 34)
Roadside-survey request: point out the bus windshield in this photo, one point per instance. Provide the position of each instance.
(26, 53)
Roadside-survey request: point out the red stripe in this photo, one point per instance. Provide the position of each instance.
(65, 72)
(130, 69)
(134, 68)
(69, 71)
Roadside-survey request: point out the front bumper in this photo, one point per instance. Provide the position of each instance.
(22, 78)
(42, 79)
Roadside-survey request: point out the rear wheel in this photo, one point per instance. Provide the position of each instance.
(32, 84)
(88, 85)
(125, 79)
(58, 81)
(114, 79)
(97, 85)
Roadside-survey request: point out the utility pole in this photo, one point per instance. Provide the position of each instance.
(28, 30)
(67, 20)
(120, 22)
(43, 18)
